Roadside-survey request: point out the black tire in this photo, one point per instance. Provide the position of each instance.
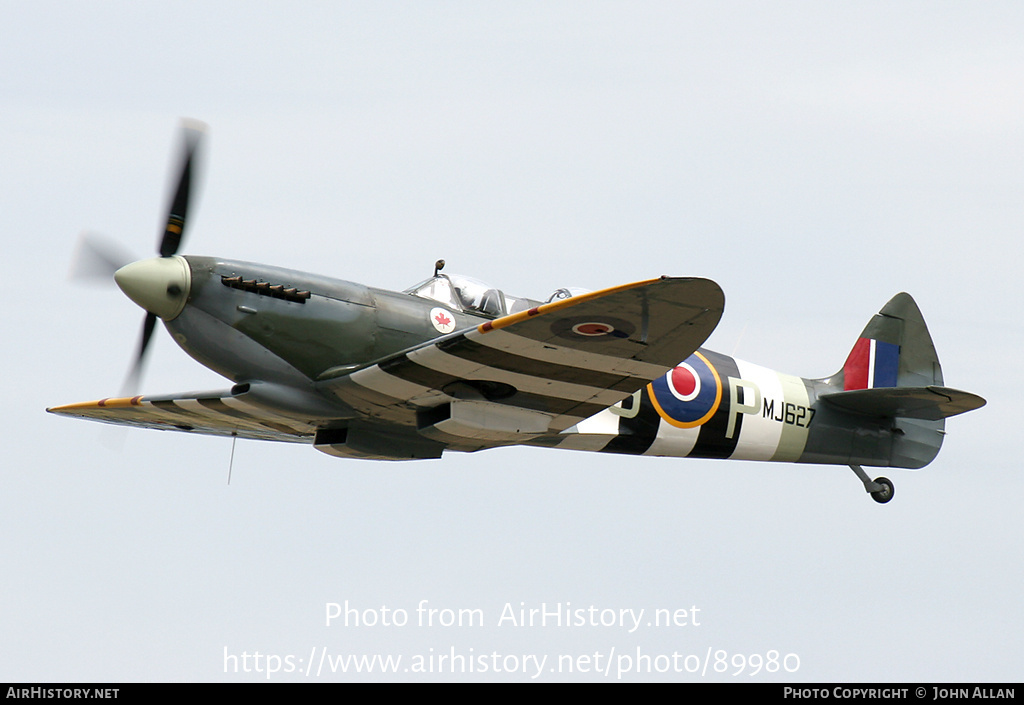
(885, 494)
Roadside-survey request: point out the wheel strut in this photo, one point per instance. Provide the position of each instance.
(881, 488)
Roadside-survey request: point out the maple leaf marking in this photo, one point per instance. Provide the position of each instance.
(442, 320)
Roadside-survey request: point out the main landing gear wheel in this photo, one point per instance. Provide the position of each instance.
(885, 494)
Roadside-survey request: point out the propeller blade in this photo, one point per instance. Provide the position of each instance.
(96, 258)
(174, 230)
(131, 384)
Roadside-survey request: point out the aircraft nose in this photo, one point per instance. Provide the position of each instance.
(159, 285)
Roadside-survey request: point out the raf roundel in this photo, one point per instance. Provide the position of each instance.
(689, 394)
(598, 329)
(442, 320)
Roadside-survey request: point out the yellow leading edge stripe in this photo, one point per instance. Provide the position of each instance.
(115, 403)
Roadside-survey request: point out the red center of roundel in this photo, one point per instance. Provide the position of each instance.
(592, 328)
(684, 381)
(442, 320)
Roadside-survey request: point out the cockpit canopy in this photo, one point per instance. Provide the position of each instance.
(473, 296)
(463, 293)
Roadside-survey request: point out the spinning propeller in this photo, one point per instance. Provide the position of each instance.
(159, 285)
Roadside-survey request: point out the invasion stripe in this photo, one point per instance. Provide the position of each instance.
(376, 387)
(223, 418)
(637, 432)
(381, 407)
(160, 411)
(268, 418)
(215, 407)
(366, 395)
(793, 438)
(180, 407)
(568, 356)
(205, 415)
(469, 370)
(506, 360)
(169, 405)
(401, 366)
(160, 418)
(280, 427)
(712, 442)
(388, 385)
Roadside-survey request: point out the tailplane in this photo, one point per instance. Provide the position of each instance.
(930, 403)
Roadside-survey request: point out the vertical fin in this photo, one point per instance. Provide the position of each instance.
(894, 350)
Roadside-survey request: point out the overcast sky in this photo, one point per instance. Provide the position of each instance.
(812, 158)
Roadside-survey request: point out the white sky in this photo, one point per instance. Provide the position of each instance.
(813, 158)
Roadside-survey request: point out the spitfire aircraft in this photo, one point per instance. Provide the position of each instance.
(454, 364)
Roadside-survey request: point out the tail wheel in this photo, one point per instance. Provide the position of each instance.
(885, 494)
